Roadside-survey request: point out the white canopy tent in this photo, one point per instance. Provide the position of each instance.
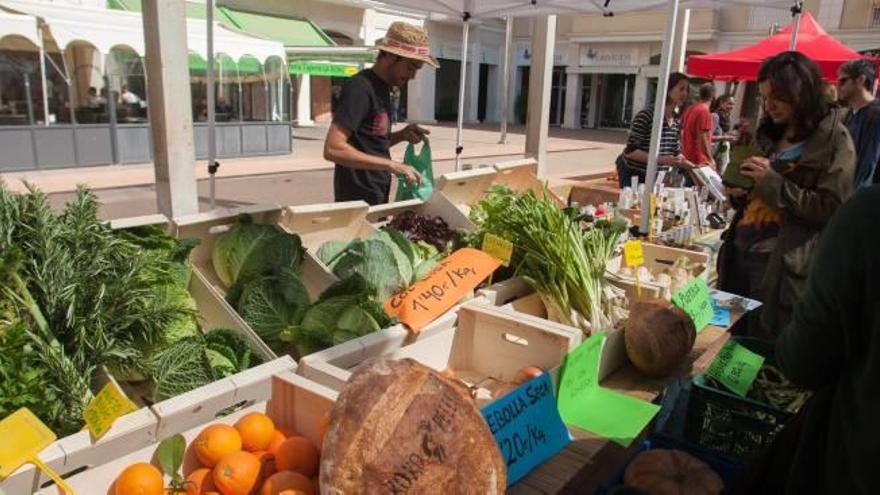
(19, 25)
(108, 28)
(468, 10)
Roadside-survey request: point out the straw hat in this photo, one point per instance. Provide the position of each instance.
(407, 41)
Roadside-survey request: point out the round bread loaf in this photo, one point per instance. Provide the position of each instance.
(399, 427)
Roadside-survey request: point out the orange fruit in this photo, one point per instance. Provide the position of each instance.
(323, 424)
(287, 481)
(237, 473)
(216, 441)
(277, 439)
(256, 430)
(287, 432)
(140, 479)
(267, 465)
(200, 482)
(297, 454)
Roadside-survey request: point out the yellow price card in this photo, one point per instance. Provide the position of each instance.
(500, 248)
(105, 408)
(22, 437)
(633, 253)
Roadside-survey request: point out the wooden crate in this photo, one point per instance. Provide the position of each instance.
(467, 187)
(317, 224)
(657, 258)
(333, 367)
(292, 402)
(438, 205)
(207, 226)
(488, 346)
(522, 175)
(594, 192)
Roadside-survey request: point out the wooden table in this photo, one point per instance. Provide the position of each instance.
(589, 461)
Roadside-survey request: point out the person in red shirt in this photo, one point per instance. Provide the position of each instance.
(696, 129)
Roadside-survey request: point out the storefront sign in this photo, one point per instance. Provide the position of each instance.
(592, 55)
(323, 69)
(527, 426)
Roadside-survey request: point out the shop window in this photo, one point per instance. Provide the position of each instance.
(128, 86)
(21, 99)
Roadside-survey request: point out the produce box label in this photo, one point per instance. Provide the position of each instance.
(498, 247)
(695, 301)
(584, 404)
(22, 436)
(633, 253)
(527, 426)
(736, 367)
(453, 279)
(109, 405)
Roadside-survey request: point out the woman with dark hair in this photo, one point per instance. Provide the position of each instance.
(633, 161)
(804, 172)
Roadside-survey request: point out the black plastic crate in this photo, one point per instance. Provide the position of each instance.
(727, 423)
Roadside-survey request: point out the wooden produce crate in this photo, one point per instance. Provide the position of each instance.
(207, 226)
(657, 258)
(213, 310)
(522, 175)
(487, 347)
(595, 192)
(317, 224)
(515, 295)
(467, 187)
(273, 388)
(332, 367)
(438, 205)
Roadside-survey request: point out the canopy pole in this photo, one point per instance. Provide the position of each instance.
(796, 12)
(659, 108)
(505, 79)
(43, 75)
(212, 138)
(462, 80)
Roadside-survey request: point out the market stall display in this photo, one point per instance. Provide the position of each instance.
(155, 329)
(665, 270)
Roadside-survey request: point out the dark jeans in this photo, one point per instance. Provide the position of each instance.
(625, 173)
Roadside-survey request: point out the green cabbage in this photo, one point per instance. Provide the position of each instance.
(271, 304)
(250, 250)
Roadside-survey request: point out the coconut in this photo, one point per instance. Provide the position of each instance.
(658, 337)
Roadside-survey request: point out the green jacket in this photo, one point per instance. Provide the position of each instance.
(805, 198)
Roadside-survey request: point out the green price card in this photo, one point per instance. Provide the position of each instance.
(695, 301)
(736, 367)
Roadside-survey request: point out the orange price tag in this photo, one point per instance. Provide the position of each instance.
(454, 278)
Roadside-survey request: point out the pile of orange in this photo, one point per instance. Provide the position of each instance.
(251, 458)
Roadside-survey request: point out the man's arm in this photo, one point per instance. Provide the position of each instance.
(412, 133)
(706, 136)
(337, 149)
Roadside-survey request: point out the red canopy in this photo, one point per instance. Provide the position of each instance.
(743, 64)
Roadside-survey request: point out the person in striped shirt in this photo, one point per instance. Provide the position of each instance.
(633, 161)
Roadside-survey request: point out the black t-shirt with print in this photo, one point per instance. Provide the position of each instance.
(364, 108)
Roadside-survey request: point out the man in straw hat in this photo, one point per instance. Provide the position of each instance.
(360, 136)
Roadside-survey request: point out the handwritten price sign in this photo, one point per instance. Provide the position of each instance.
(105, 408)
(736, 367)
(695, 301)
(527, 426)
(452, 280)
